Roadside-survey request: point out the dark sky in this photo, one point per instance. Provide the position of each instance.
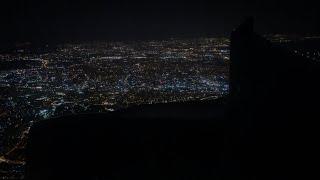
(47, 20)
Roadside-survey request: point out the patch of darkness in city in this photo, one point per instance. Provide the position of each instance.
(169, 89)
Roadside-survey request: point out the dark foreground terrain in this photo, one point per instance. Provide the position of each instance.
(97, 146)
(266, 129)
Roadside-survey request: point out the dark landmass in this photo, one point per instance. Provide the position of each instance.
(143, 141)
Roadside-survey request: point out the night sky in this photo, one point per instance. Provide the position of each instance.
(55, 20)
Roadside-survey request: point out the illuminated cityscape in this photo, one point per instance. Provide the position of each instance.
(95, 77)
(106, 76)
(161, 89)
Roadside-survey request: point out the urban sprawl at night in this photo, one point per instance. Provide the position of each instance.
(106, 76)
(102, 76)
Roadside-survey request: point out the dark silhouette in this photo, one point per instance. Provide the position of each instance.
(263, 132)
(273, 97)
